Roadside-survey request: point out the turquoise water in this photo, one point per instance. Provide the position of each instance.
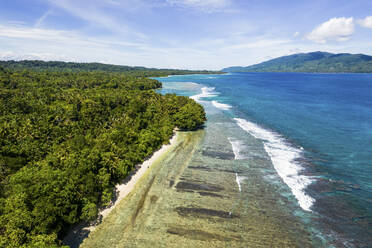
(317, 130)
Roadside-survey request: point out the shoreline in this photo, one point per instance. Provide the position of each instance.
(77, 234)
(149, 194)
(125, 188)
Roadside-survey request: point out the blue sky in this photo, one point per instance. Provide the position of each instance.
(185, 34)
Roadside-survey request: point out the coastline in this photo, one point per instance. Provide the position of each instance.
(125, 188)
(77, 234)
(181, 207)
(200, 196)
(190, 198)
(140, 208)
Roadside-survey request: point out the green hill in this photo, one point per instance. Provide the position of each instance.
(316, 62)
(59, 66)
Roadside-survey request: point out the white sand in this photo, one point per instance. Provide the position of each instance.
(125, 188)
(78, 233)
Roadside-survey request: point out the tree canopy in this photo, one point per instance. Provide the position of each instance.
(66, 138)
(59, 66)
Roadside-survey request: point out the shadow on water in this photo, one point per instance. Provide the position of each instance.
(200, 235)
(218, 154)
(200, 168)
(204, 212)
(195, 186)
(210, 194)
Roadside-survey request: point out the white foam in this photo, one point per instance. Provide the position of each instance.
(237, 147)
(222, 106)
(283, 157)
(206, 92)
(238, 182)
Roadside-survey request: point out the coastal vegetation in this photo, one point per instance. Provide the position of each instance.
(69, 134)
(316, 62)
(59, 66)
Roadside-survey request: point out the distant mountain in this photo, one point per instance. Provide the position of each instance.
(320, 62)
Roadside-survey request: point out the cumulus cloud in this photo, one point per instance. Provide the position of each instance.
(335, 29)
(366, 22)
(202, 5)
(11, 55)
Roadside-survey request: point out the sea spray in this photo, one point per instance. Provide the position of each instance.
(283, 157)
(222, 106)
(238, 182)
(238, 146)
(206, 92)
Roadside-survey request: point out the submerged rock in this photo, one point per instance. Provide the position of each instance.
(196, 186)
(204, 212)
(199, 234)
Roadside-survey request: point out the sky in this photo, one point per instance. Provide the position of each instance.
(183, 34)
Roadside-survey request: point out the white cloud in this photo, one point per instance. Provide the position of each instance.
(93, 12)
(335, 29)
(40, 21)
(64, 38)
(366, 22)
(41, 34)
(202, 5)
(261, 43)
(10, 55)
(296, 34)
(18, 42)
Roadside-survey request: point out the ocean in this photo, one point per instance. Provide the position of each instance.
(315, 130)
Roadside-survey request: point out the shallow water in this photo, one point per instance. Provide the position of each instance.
(216, 188)
(316, 129)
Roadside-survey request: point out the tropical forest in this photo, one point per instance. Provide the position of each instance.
(68, 134)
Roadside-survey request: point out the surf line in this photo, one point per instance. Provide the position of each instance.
(238, 182)
(205, 93)
(237, 146)
(283, 157)
(222, 106)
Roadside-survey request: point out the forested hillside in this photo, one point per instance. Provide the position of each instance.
(317, 62)
(59, 66)
(66, 138)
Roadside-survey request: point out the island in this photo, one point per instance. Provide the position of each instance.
(314, 62)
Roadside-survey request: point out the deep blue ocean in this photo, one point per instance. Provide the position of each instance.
(317, 129)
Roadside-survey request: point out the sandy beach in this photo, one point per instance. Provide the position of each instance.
(77, 234)
(125, 188)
